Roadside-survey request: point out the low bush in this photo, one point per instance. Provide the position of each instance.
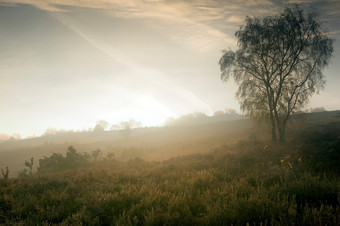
(319, 148)
(246, 183)
(58, 162)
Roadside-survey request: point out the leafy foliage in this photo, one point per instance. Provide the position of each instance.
(7, 186)
(244, 183)
(29, 165)
(251, 181)
(278, 65)
(57, 162)
(319, 148)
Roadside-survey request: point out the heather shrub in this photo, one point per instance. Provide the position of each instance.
(57, 162)
(319, 148)
(246, 183)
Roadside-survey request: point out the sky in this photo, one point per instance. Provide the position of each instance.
(67, 64)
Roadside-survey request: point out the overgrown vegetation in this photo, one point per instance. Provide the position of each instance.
(319, 148)
(250, 182)
(7, 187)
(57, 162)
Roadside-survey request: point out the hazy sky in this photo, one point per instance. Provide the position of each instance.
(67, 63)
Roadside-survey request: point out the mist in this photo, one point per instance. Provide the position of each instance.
(169, 112)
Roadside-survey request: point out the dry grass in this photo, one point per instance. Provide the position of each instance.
(248, 181)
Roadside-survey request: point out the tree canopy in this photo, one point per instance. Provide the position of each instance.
(278, 64)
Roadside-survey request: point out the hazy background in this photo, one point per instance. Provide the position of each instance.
(67, 64)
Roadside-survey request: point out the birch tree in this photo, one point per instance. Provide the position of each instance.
(278, 64)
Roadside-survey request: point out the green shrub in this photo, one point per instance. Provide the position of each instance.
(57, 162)
(313, 192)
(320, 149)
(7, 186)
(234, 185)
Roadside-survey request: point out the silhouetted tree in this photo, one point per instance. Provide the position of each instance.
(50, 131)
(57, 162)
(127, 126)
(96, 154)
(30, 165)
(101, 125)
(278, 64)
(50, 164)
(115, 127)
(132, 124)
(217, 113)
(110, 155)
(317, 109)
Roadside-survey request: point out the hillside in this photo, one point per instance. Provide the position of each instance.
(152, 143)
(158, 143)
(248, 181)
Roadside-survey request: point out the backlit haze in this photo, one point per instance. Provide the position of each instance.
(67, 64)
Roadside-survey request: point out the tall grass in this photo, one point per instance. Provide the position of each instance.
(251, 182)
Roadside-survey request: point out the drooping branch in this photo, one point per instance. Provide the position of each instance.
(278, 64)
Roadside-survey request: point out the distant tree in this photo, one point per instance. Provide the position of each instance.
(230, 111)
(75, 159)
(51, 164)
(115, 127)
(101, 125)
(57, 162)
(29, 165)
(132, 124)
(15, 136)
(278, 64)
(98, 128)
(96, 154)
(53, 131)
(50, 131)
(127, 126)
(110, 155)
(317, 109)
(192, 118)
(25, 172)
(4, 137)
(216, 113)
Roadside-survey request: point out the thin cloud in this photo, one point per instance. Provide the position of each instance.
(43, 5)
(300, 1)
(139, 73)
(197, 25)
(108, 50)
(333, 9)
(235, 19)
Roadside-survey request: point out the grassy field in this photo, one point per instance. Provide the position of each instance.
(158, 143)
(220, 174)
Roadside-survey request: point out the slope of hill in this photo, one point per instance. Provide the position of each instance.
(158, 143)
(152, 143)
(249, 181)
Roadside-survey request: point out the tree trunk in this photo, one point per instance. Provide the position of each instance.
(282, 134)
(272, 118)
(283, 131)
(274, 138)
(280, 126)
